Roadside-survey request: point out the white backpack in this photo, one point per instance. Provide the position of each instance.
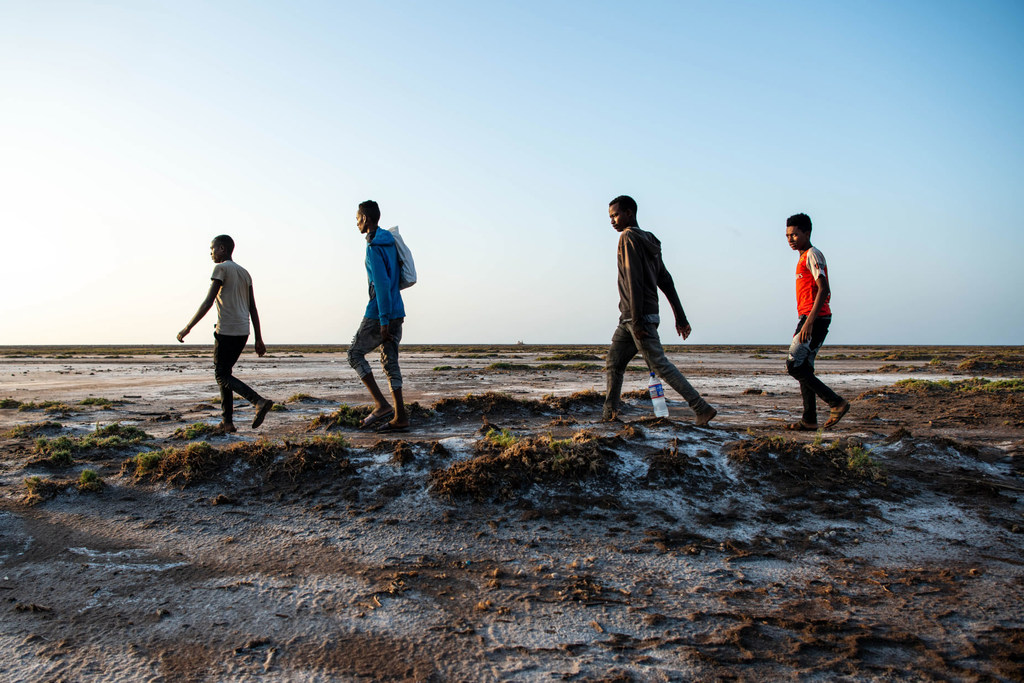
(407, 276)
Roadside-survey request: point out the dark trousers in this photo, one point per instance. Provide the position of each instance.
(226, 350)
(800, 365)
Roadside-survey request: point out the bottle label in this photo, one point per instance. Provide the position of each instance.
(657, 391)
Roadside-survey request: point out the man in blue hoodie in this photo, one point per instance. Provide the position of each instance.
(382, 322)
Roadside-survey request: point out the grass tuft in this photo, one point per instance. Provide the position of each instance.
(345, 416)
(21, 431)
(502, 466)
(502, 439)
(61, 450)
(89, 481)
(177, 466)
(975, 384)
(197, 430)
(47, 406)
(97, 401)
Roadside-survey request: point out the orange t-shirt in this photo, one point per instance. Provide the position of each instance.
(810, 265)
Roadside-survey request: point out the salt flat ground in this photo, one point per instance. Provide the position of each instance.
(642, 549)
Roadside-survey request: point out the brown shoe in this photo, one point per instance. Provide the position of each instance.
(836, 414)
(706, 416)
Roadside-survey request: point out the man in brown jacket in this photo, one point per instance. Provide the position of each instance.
(641, 274)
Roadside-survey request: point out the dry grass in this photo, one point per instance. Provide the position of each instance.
(815, 464)
(32, 429)
(199, 461)
(504, 466)
(197, 430)
(345, 416)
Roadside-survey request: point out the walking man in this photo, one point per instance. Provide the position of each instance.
(641, 274)
(231, 289)
(812, 305)
(382, 322)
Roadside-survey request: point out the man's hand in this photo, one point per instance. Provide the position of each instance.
(639, 332)
(684, 330)
(261, 348)
(183, 334)
(385, 332)
(805, 331)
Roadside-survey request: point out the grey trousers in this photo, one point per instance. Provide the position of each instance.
(367, 339)
(625, 347)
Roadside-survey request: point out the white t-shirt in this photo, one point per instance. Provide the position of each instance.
(232, 299)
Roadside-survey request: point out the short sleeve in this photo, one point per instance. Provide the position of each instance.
(816, 264)
(218, 273)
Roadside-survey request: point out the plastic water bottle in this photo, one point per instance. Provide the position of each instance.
(657, 397)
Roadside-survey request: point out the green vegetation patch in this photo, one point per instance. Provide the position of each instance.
(509, 366)
(39, 489)
(26, 430)
(9, 404)
(502, 439)
(89, 481)
(199, 461)
(582, 367)
(345, 416)
(302, 398)
(61, 450)
(197, 430)
(505, 465)
(104, 403)
(571, 355)
(48, 406)
(801, 467)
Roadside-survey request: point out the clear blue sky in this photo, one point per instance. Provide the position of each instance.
(495, 133)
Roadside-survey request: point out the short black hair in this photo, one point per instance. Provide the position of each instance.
(225, 241)
(800, 221)
(371, 211)
(626, 202)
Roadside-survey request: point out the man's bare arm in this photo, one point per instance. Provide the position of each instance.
(261, 348)
(204, 308)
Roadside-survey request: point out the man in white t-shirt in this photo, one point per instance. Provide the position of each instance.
(231, 289)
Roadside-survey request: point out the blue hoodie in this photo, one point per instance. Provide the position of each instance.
(382, 272)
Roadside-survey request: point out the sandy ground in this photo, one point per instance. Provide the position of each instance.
(643, 550)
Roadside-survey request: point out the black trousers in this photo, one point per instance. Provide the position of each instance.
(800, 365)
(226, 351)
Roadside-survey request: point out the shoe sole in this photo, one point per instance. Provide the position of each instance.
(261, 414)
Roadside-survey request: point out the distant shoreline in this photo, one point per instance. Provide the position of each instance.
(71, 350)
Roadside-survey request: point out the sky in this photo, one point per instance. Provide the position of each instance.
(495, 133)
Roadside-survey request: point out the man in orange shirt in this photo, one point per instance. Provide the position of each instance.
(812, 298)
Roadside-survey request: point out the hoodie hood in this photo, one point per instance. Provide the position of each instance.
(382, 238)
(650, 244)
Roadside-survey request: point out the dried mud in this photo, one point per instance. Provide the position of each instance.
(510, 534)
